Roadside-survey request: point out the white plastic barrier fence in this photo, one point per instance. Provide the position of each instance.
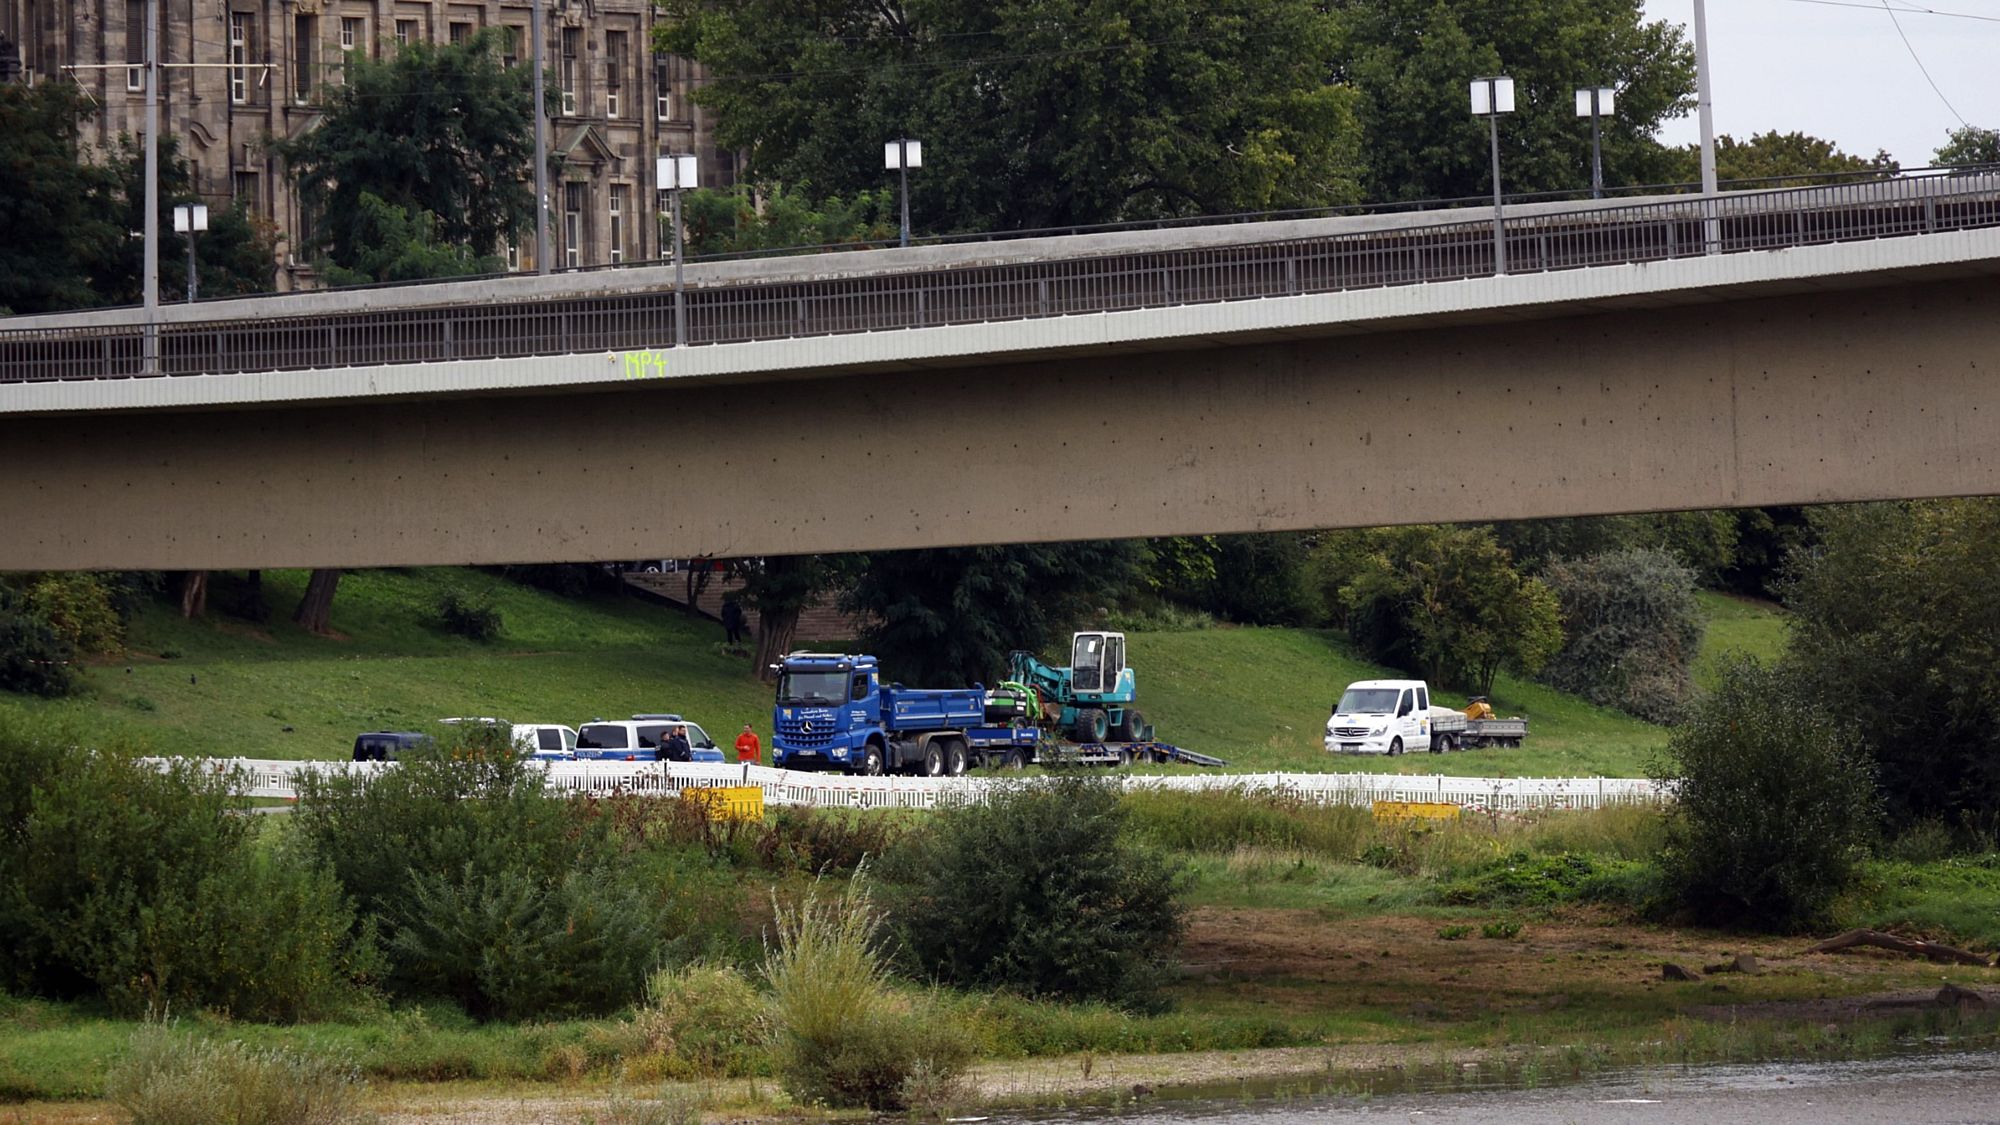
(269, 778)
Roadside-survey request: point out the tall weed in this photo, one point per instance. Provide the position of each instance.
(178, 1079)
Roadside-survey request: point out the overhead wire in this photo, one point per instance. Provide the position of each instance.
(1921, 68)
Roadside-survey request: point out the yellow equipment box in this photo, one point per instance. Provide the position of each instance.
(1416, 810)
(734, 802)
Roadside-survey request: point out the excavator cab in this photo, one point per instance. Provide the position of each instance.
(1095, 661)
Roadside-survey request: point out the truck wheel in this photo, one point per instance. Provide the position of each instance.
(1395, 747)
(933, 760)
(1440, 743)
(871, 760)
(954, 762)
(1132, 728)
(1089, 726)
(1014, 760)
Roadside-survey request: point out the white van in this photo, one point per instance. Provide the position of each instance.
(1382, 717)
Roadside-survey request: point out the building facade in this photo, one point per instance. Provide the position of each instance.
(262, 67)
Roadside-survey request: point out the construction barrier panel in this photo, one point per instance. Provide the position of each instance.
(1387, 812)
(728, 802)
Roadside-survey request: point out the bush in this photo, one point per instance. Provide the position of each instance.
(129, 882)
(1524, 880)
(177, 1079)
(1775, 804)
(708, 1018)
(468, 614)
(843, 1037)
(1631, 626)
(1037, 891)
(35, 659)
(498, 893)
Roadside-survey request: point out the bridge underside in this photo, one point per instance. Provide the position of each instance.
(1849, 395)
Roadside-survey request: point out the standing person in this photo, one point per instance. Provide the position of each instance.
(675, 748)
(748, 749)
(732, 619)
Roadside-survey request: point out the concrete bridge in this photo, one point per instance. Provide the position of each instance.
(1807, 345)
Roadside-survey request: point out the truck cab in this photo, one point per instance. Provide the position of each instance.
(1381, 717)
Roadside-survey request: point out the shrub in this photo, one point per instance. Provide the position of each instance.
(1775, 803)
(1631, 626)
(708, 1018)
(468, 614)
(1037, 891)
(1506, 929)
(130, 882)
(177, 1079)
(35, 659)
(1524, 880)
(843, 1037)
(494, 891)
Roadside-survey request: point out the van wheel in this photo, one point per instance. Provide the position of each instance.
(871, 760)
(954, 762)
(933, 761)
(1395, 747)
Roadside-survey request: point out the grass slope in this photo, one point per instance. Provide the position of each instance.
(1737, 626)
(1258, 697)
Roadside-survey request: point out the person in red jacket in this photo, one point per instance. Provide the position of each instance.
(748, 749)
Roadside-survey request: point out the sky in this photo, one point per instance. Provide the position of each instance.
(1837, 69)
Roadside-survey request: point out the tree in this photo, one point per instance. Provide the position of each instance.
(1896, 617)
(739, 220)
(399, 244)
(1040, 112)
(1411, 59)
(315, 612)
(236, 255)
(55, 214)
(1790, 157)
(779, 589)
(1631, 626)
(1773, 804)
(1969, 145)
(951, 615)
(443, 131)
(1255, 579)
(1445, 601)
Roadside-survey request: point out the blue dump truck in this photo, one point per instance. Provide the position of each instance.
(834, 712)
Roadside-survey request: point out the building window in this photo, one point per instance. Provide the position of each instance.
(510, 46)
(305, 39)
(353, 34)
(460, 32)
(241, 28)
(135, 44)
(406, 32)
(616, 45)
(617, 224)
(573, 225)
(243, 187)
(513, 258)
(666, 79)
(572, 38)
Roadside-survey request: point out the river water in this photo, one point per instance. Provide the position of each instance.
(1949, 1089)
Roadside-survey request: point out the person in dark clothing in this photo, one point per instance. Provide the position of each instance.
(674, 747)
(732, 619)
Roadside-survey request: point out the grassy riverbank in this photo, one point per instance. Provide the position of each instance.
(222, 686)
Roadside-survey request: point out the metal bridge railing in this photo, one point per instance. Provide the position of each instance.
(1659, 231)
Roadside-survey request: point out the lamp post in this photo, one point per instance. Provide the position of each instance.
(902, 155)
(541, 145)
(675, 174)
(189, 218)
(149, 356)
(1596, 103)
(1711, 227)
(1492, 97)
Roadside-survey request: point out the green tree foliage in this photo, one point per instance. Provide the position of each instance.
(1037, 113)
(740, 220)
(780, 588)
(1000, 895)
(493, 891)
(236, 255)
(443, 131)
(394, 243)
(1443, 601)
(1968, 145)
(1774, 803)
(1703, 541)
(55, 218)
(1255, 579)
(1896, 618)
(951, 615)
(1631, 626)
(35, 657)
(122, 880)
(1411, 60)
(1775, 156)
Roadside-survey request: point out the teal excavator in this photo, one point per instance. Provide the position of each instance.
(1090, 701)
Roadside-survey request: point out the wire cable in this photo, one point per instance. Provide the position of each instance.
(1921, 68)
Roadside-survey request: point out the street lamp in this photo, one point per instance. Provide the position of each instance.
(675, 173)
(1492, 97)
(1596, 103)
(189, 218)
(900, 156)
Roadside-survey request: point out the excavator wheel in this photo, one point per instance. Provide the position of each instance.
(1090, 726)
(1132, 728)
